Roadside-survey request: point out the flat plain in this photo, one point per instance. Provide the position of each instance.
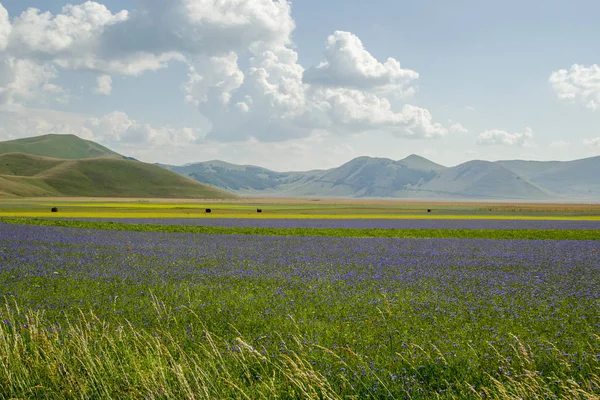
(308, 299)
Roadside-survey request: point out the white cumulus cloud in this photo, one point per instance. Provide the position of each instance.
(23, 80)
(103, 85)
(349, 65)
(118, 128)
(274, 99)
(74, 32)
(5, 27)
(500, 137)
(579, 84)
(457, 127)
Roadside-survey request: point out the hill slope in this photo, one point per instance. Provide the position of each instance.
(482, 179)
(368, 177)
(30, 175)
(240, 178)
(68, 147)
(567, 178)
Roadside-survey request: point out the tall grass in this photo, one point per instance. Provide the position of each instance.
(85, 357)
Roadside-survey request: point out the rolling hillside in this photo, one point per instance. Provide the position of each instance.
(29, 175)
(67, 147)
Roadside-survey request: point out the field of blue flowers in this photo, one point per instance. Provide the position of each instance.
(253, 316)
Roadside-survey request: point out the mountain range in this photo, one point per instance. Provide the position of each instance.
(413, 177)
(66, 165)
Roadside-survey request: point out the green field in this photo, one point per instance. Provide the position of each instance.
(293, 208)
(99, 310)
(493, 234)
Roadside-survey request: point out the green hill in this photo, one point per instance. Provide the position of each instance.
(67, 147)
(33, 176)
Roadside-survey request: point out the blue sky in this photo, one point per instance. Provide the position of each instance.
(307, 84)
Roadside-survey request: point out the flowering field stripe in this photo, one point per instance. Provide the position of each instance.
(230, 214)
(510, 234)
(377, 223)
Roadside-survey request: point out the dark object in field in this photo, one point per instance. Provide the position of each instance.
(54, 209)
(429, 210)
(259, 210)
(208, 210)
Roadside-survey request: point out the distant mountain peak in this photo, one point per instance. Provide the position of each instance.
(417, 162)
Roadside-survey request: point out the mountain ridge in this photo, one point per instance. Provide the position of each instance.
(66, 165)
(410, 177)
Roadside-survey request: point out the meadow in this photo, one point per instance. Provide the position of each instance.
(328, 308)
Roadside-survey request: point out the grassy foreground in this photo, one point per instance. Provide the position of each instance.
(515, 234)
(88, 358)
(94, 314)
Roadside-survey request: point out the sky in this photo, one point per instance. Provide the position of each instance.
(310, 84)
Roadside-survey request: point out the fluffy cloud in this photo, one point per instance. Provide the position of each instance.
(458, 128)
(579, 84)
(595, 142)
(103, 85)
(5, 27)
(202, 26)
(355, 111)
(69, 38)
(349, 65)
(266, 102)
(499, 137)
(118, 128)
(23, 80)
(275, 99)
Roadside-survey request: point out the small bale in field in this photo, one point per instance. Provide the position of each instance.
(259, 210)
(54, 209)
(428, 210)
(208, 210)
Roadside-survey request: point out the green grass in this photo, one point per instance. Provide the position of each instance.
(100, 177)
(495, 234)
(68, 147)
(90, 358)
(98, 315)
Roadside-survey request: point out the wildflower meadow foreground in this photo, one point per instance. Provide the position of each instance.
(108, 313)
